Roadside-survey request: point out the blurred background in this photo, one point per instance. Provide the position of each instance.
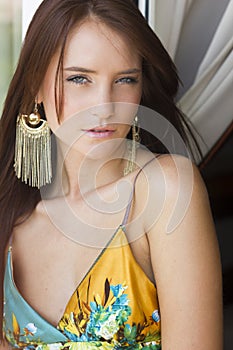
(10, 41)
(198, 34)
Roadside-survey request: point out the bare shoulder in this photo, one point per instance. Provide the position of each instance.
(174, 186)
(185, 257)
(183, 201)
(173, 169)
(177, 167)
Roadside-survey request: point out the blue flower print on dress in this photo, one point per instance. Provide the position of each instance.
(155, 316)
(30, 329)
(103, 320)
(106, 320)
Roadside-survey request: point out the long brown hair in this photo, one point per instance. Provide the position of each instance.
(46, 35)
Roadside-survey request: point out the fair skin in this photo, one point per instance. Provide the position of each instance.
(185, 263)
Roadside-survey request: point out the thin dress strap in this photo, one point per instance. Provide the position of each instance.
(128, 208)
(10, 242)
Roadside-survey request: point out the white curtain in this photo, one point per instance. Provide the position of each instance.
(29, 8)
(166, 19)
(208, 102)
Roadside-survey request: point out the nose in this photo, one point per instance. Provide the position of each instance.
(104, 108)
(103, 111)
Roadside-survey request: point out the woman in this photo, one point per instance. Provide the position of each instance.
(79, 272)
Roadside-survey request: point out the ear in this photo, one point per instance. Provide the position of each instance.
(39, 96)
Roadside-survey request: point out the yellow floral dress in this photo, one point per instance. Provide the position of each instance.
(115, 306)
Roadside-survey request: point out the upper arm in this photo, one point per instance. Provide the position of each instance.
(186, 262)
(4, 345)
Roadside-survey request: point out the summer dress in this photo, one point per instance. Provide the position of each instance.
(115, 306)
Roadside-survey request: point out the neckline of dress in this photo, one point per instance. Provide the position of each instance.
(120, 228)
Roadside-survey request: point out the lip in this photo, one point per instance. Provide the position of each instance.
(100, 132)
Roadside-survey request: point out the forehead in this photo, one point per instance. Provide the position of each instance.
(93, 40)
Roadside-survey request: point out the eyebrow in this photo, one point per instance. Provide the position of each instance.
(86, 70)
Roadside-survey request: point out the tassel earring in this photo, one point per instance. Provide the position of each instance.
(33, 149)
(133, 145)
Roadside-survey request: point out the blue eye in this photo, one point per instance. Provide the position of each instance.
(127, 80)
(78, 79)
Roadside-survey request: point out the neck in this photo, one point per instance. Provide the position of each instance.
(83, 174)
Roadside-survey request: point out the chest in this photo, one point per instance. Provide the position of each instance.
(49, 266)
(118, 287)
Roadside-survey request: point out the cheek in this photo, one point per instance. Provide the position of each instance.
(129, 94)
(75, 101)
(125, 112)
(125, 130)
(130, 98)
(137, 97)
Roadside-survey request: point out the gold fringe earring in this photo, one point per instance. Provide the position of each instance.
(132, 147)
(33, 149)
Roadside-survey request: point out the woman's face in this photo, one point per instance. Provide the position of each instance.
(102, 79)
